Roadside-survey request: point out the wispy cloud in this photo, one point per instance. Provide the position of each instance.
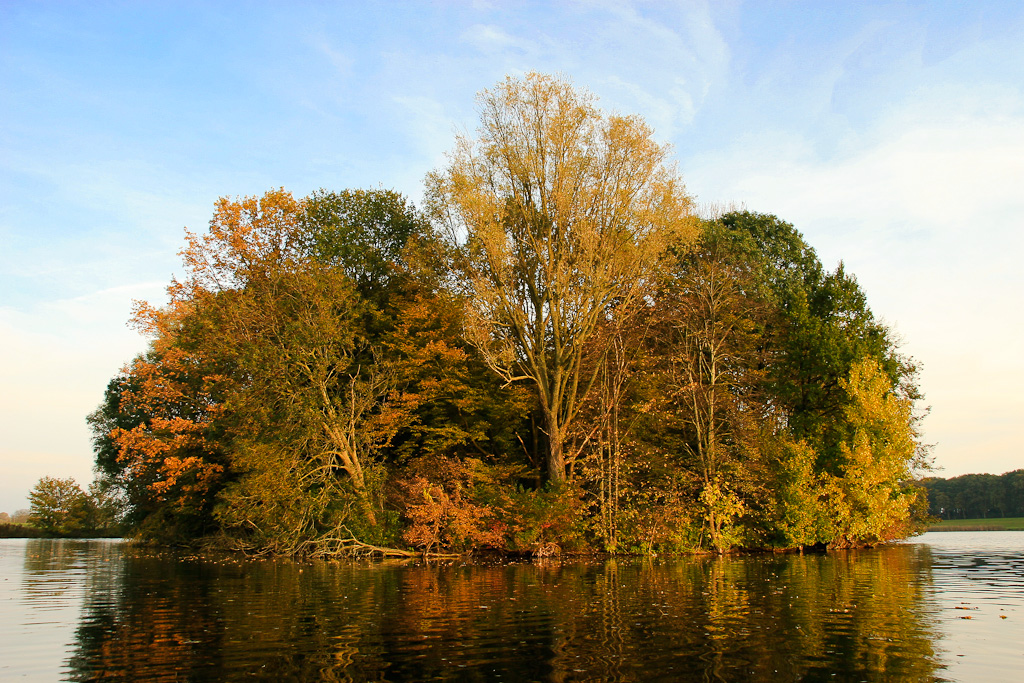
(491, 39)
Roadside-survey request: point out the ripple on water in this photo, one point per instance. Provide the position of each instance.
(977, 594)
(888, 614)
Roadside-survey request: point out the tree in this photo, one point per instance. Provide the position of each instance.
(563, 214)
(871, 499)
(708, 361)
(976, 496)
(114, 473)
(169, 455)
(309, 401)
(824, 328)
(60, 507)
(21, 516)
(365, 234)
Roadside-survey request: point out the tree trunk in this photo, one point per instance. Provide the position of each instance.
(556, 456)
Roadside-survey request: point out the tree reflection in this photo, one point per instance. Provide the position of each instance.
(841, 616)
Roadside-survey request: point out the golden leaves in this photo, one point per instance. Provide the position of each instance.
(565, 215)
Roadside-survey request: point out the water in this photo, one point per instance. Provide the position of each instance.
(931, 609)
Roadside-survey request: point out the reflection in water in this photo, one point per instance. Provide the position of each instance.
(978, 589)
(42, 590)
(845, 616)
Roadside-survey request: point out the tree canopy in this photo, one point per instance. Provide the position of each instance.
(59, 507)
(556, 355)
(976, 496)
(564, 215)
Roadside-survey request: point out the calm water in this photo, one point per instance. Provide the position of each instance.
(947, 606)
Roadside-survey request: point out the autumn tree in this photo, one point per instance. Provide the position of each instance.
(158, 442)
(871, 498)
(330, 368)
(708, 372)
(563, 213)
(314, 401)
(161, 435)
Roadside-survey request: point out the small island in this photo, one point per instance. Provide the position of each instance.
(557, 353)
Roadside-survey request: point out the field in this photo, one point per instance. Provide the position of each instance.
(990, 524)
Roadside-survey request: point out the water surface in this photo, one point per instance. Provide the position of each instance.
(946, 606)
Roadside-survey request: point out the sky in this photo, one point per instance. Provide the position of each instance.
(891, 134)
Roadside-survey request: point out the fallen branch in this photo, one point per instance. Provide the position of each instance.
(336, 545)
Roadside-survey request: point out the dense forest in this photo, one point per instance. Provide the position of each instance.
(556, 353)
(976, 496)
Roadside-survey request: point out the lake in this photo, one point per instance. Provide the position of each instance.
(943, 606)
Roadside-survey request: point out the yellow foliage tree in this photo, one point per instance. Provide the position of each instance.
(564, 214)
(871, 501)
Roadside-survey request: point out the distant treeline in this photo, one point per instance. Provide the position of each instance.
(976, 496)
(20, 531)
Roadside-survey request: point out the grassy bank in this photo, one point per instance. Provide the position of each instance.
(990, 524)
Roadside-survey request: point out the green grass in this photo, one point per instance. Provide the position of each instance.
(990, 524)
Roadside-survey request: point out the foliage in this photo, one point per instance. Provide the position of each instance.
(871, 499)
(169, 451)
(565, 212)
(795, 511)
(8, 530)
(364, 234)
(441, 509)
(59, 507)
(823, 328)
(559, 356)
(708, 369)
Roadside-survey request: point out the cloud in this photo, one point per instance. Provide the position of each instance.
(675, 53)
(490, 39)
(339, 61)
(912, 178)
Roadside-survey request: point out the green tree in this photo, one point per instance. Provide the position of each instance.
(60, 507)
(976, 496)
(369, 235)
(708, 343)
(824, 328)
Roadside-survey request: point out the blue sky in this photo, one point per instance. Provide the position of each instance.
(890, 133)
